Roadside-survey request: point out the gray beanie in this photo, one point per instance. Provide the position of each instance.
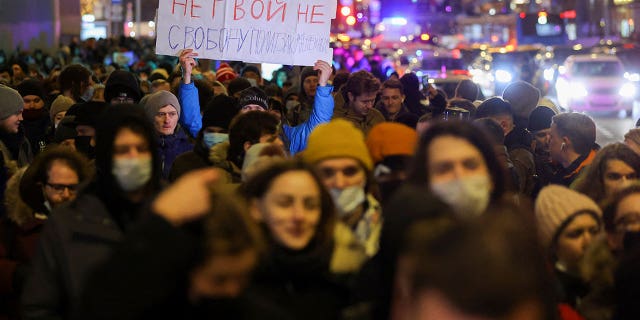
(158, 100)
(10, 102)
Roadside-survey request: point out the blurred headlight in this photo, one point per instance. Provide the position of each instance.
(548, 74)
(635, 77)
(578, 91)
(503, 76)
(628, 90)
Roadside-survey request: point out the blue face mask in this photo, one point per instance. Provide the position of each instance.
(88, 94)
(212, 138)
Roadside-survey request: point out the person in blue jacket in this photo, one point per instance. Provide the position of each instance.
(296, 137)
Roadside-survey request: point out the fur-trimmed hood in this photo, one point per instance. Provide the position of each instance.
(17, 210)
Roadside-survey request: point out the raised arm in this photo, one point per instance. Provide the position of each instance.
(190, 117)
(321, 113)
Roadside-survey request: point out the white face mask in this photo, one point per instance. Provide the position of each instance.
(347, 199)
(132, 174)
(468, 197)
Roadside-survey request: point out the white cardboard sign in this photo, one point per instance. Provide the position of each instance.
(292, 32)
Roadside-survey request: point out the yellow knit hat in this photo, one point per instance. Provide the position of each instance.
(555, 204)
(337, 139)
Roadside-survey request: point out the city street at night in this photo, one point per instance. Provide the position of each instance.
(320, 159)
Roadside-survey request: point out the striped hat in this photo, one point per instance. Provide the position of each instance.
(225, 73)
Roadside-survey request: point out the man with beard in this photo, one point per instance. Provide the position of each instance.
(36, 117)
(540, 128)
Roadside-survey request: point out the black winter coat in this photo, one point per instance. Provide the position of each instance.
(75, 239)
(146, 278)
(300, 284)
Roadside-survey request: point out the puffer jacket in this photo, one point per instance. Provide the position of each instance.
(297, 136)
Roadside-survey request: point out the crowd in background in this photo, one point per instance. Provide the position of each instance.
(176, 187)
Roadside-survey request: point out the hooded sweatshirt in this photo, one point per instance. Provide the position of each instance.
(80, 236)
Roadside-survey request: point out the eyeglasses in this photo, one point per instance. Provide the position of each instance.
(60, 188)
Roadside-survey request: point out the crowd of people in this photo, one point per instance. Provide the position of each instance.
(200, 189)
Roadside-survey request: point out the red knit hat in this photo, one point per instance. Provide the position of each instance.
(225, 73)
(391, 139)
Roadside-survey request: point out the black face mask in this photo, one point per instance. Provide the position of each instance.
(83, 145)
(631, 240)
(34, 114)
(222, 308)
(388, 188)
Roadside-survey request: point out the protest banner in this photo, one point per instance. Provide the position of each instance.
(293, 32)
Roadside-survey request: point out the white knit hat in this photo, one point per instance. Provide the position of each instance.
(555, 205)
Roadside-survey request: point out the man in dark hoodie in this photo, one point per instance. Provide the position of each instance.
(122, 87)
(80, 236)
(414, 97)
(36, 116)
(86, 116)
(308, 87)
(215, 130)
